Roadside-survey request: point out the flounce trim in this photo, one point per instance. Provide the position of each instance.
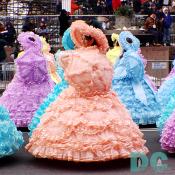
(10, 139)
(84, 156)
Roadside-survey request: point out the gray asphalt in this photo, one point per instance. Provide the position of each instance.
(22, 163)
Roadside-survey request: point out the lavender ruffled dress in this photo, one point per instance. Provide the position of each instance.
(31, 83)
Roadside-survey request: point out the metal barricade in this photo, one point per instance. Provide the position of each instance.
(7, 71)
(157, 70)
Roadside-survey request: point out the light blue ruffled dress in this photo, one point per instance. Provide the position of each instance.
(11, 140)
(68, 45)
(166, 89)
(166, 97)
(166, 113)
(131, 86)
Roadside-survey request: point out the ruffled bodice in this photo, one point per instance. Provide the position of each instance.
(95, 79)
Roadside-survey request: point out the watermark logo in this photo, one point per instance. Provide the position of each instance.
(140, 162)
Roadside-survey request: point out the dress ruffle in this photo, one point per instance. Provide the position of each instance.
(10, 139)
(88, 129)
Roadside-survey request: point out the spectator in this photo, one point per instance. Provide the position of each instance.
(153, 8)
(64, 22)
(58, 6)
(2, 50)
(166, 2)
(147, 7)
(2, 27)
(95, 23)
(11, 34)
(151, 27)
(2, 55)
(173, 6)
(29, 26)
(43, 30)
(137, 6)
(159, 14)
(109, 6)
(74, 7)
(101, 5)
(167, 21)
(116, 4)
(160, 3)
(3, 31)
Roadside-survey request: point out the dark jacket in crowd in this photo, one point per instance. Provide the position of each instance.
(28, 26)
(2, 50)
(137, 6)
(167, 21)
(11, 34)
(64, 21)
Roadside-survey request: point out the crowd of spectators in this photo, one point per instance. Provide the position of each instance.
(110, 6)
(7, 38)
(158, 23)
(8, 43)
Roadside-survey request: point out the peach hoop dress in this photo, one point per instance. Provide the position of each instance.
(87, 122)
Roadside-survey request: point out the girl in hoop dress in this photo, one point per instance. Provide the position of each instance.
(166, 97)
(131, 85)
(87, 122)
(114, 54)
(31, 82)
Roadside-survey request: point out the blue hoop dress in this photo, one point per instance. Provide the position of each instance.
(131, 86)
(166, 97)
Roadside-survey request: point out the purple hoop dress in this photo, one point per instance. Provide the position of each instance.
(31, 83)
